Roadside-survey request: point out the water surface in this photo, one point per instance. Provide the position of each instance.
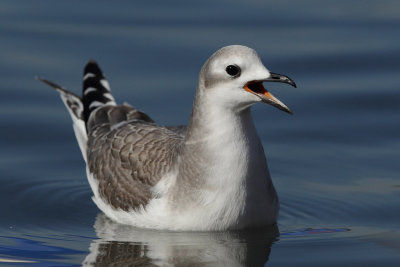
(335, 162)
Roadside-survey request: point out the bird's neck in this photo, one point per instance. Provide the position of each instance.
(211, 119)
(211, 123)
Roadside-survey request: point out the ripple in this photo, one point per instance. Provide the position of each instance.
(362, 202)
(36, 253)
(46, 203)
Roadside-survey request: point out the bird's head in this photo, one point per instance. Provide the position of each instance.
(234, 76)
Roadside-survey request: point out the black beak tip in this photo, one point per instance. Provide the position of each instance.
(291, 82)
(288, 111)
(275, 77)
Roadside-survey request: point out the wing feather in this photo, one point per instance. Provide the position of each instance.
(129, 156)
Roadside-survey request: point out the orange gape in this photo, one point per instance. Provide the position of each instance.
(259, 89)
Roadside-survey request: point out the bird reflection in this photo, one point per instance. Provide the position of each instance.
(122, 245)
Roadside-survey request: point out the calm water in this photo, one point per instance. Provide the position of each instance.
(335, 162)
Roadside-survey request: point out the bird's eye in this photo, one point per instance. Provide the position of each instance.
(233, 70)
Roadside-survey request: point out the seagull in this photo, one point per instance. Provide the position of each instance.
(207, 176)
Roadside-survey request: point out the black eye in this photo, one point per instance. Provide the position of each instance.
(233, 70)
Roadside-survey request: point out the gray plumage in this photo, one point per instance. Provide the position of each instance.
(128, 154)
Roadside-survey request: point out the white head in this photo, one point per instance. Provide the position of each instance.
(233, 77)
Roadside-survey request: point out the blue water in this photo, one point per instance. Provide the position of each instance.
(335, 162)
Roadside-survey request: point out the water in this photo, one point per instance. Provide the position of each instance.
(335, 162)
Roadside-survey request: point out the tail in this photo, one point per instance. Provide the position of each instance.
(96, 93)
(75, 108)
(96, 90)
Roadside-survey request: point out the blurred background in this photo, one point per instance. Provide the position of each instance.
(334, 163)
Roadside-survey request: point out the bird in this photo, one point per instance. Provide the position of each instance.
(210, 175)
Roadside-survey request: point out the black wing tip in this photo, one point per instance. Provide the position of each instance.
(93, 67)
(49, 83)
(91, 61)
(55, 86)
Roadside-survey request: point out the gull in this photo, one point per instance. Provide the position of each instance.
(209, 175)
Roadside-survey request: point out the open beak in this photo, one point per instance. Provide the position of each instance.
(257, 88)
